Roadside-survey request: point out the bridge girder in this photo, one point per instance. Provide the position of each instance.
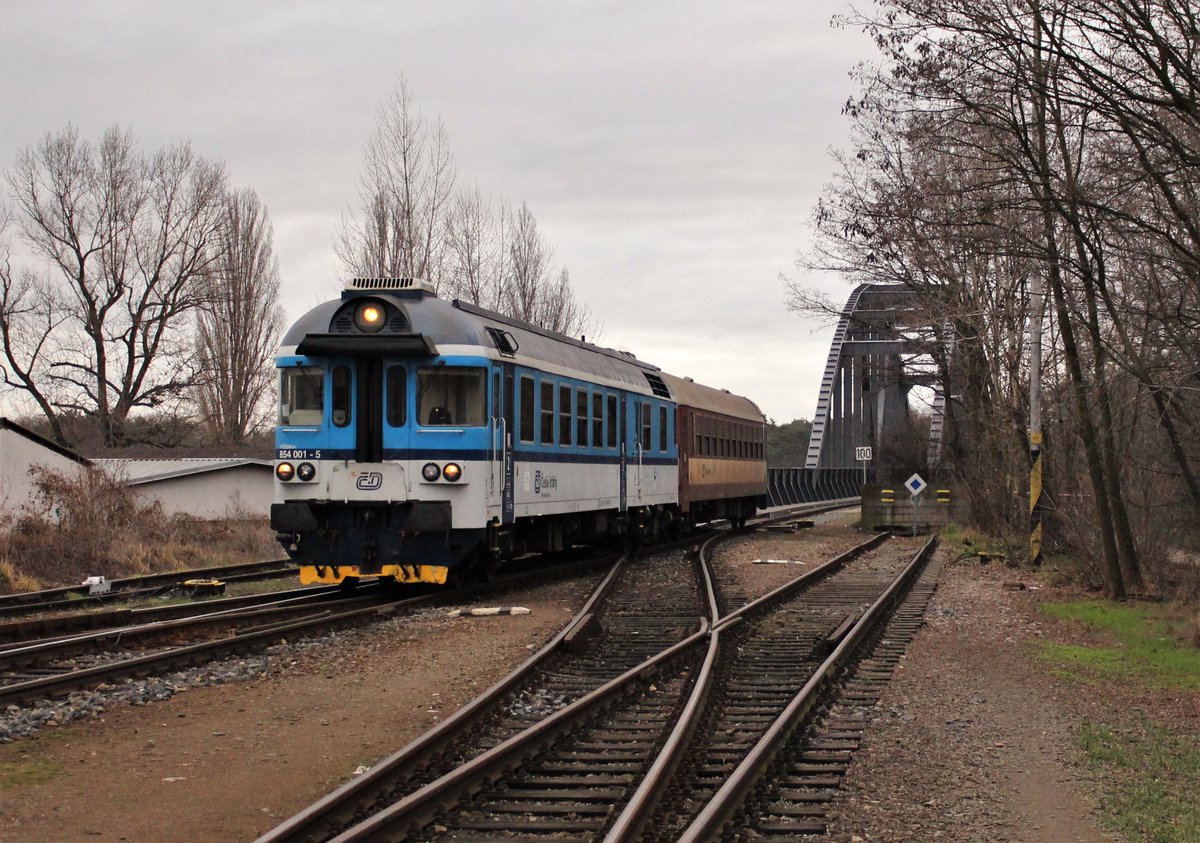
(871, 367)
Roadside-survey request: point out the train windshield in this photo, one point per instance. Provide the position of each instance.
(302, 396)
(451, 397)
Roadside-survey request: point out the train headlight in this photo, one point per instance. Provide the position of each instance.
(369, 317)
(431, 472)
(285, 471)
(452, 472)
(306, 471)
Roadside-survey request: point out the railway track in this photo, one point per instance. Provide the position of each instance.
(77, 597)
(557, 750)
(30, 672)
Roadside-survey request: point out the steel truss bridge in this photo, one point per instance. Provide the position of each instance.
(880, 351)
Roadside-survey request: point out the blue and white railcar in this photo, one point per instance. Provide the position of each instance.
(419, 438)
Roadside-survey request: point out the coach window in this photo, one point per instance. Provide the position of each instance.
(581, 418)
(397, 396)
(597, 420)
(564, 415)
(451, 396)
(526, 409)
(547, 412)
(302, 396)
(613, 421)
(341, 395)
(662, 429)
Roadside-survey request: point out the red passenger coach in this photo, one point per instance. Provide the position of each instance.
(722, 452)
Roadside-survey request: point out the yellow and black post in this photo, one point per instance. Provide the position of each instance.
(1037, 306)
(1035, 499)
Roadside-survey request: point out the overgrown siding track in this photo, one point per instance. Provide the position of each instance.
(76, 597)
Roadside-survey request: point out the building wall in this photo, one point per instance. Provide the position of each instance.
(246, 490)
(17, 455)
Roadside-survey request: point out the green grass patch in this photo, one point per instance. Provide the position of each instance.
(1140, 644)
(1151, 776)
(16, 773)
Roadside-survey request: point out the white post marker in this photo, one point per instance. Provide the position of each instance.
(863, 455)
(915, 485)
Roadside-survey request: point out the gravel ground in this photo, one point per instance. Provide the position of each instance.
(970, 743)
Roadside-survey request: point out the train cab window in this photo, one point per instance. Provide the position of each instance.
(302, 396)
(547, 413)
(613, 421)
(526, 409)
(454, 396)
(662, 429)
(581, 418)
(397, 395)
(597, 420)
(565, 423)
(341, 396)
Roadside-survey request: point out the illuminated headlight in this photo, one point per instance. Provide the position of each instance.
(306, 471)
(452, 472)
(285, 471)
(431, 472)
(369, 317)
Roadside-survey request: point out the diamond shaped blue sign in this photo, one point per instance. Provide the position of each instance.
(915, 485)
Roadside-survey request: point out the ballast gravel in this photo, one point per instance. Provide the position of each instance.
(23, 721)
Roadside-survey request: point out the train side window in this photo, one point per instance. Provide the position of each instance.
(613, 421)
(699, 444)
(341, 396)
(662, 429)
(302, 396)
(581, 418)
(397, 396)
(526, 409)
(597, 420)
(495, 397)
(646, 441)
(565, 422)
(451, 396)
(547, 412)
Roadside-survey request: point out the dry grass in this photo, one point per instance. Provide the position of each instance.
(89, 523)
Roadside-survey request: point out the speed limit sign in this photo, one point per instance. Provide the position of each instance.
(862, 454)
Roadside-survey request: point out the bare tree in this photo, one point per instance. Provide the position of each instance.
(125, 240)
(412, 222)
(535, 291)
(475, 259)
(405, 187)
(239, 324)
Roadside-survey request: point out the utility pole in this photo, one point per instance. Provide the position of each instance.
(1037, 305)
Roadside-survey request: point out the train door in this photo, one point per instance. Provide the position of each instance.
(501, 470)
(369, 423)
(633, 422)
(622, 428)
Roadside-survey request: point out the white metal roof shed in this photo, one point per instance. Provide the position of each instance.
(209, 488)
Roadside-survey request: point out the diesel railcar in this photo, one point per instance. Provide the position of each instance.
(421, 440)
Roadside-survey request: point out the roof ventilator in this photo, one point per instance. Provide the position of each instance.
(657, 385)
(505, 342)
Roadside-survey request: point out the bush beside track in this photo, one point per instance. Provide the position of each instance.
(92, 524)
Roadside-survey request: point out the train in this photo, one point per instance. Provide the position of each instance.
(421, 440)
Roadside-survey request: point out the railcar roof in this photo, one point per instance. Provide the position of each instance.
(721, 401)
(464, 324)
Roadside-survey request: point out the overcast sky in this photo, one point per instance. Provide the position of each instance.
(672, 152)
